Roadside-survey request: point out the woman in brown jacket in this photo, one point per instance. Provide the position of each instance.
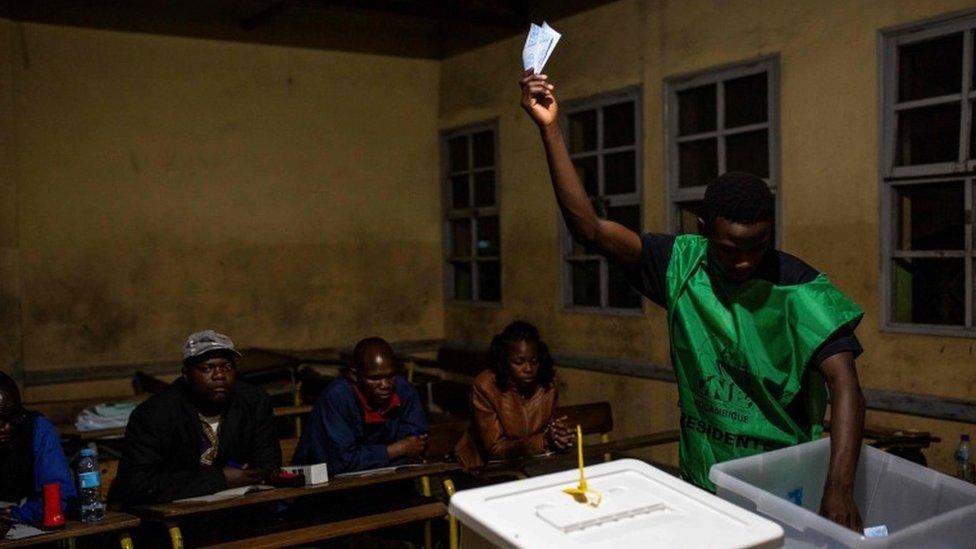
(513, 402)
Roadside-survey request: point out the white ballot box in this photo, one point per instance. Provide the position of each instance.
(641, 507)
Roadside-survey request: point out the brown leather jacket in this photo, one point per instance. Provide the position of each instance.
(505, 424)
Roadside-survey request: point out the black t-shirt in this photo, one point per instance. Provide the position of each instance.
(648, 277)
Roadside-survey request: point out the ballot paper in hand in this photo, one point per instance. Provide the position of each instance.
(538, 47)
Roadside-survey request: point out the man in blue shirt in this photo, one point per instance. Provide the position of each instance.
(30, 457)
(369, 418)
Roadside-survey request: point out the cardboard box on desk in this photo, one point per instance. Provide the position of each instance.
(314, 474)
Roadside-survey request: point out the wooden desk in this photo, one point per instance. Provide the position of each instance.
(590, 451)
(94, 434)
(169, 514)
(177, 510)
(318, 532)
(114, 522)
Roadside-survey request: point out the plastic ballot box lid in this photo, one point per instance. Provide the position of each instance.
(641, 507)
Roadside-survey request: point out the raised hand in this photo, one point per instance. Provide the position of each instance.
(538, 99)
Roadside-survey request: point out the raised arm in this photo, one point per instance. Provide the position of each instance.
(846, 426)
(613, 240)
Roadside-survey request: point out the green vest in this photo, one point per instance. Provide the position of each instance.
(740, 354)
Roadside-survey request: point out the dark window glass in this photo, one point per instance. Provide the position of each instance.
(748, 152)
(688, 213)
(745, 100)
(488, 236)
(628, 216)
(458, 153)
(484, 188)
(930, 68)
(972, 132)
(460, 191)
(618, 125)
(586, 169)
(929, 291)
(698, 162)
(696, 110)
(620, 294)
(463, 283)
(582, 131)
(930, 217)
(928, 134)
(586, 283)
(619, 173)
(461, 237)
(489, 281)
(483, 149)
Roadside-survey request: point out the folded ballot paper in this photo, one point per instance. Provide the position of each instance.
(538, 47)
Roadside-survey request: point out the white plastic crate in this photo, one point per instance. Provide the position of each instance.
(642, 507)
(919, 506)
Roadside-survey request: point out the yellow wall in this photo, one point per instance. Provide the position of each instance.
(285, 196)
(9, 278)
(829, 140)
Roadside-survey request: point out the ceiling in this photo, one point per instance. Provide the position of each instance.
(432, 29)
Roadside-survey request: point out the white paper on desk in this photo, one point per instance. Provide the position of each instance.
(378, 471)
(538, 46)
(21, 531)
(225, 494)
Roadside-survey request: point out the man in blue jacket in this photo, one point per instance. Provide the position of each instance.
(367, 419)
(30, 457)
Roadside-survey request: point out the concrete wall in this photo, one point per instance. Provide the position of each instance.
(829, 140)
(169, 184)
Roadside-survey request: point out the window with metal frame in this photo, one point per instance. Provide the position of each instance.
(604, 139)
(928, 172)
(472, 228)
(720, 121)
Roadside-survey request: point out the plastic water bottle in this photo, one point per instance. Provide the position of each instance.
(964, 462)
(90, 487)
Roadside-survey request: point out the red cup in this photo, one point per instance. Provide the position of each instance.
(53, 517)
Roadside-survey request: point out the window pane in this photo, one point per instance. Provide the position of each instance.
(930, 217)
(929, 291)
(457, 153)
(460, 193)
(618, 125)
(488, 241)
(620, 294)
(461, 238)
(586, 282)
(582, 131)
(462, 280)
(619, 173)
(748, 152)
(745, 100)
(489, 281)
(484, 188)
(928, 134)
(483, 149)
(972, 132)
(930, 68)
(628, 216)
(696, 110)
(688, 213)
(698, 162)
(587, 172)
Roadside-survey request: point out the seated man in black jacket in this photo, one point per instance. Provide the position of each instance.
(202, 434)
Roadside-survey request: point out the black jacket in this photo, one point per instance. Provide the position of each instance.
(161, 460)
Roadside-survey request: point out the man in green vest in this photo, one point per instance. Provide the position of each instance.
(755, 332)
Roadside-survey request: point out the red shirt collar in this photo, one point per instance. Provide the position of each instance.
(369, 414)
